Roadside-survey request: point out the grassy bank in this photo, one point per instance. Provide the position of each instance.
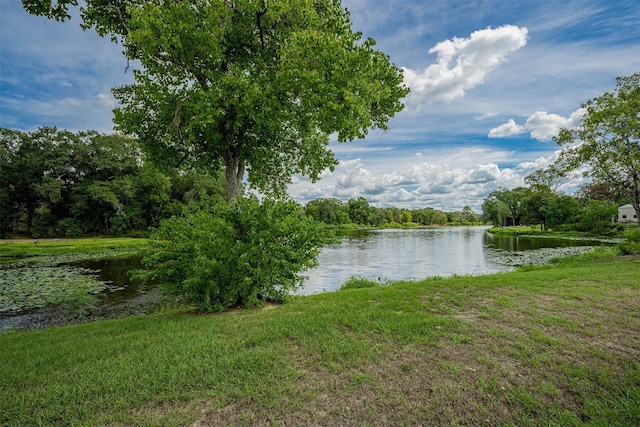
(24, 248)
(556, 345)
(523, 230)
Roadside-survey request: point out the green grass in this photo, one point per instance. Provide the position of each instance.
(23, 248)
(557, 345)
(526, 230)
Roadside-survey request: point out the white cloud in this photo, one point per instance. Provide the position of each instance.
(507, 129)
(106, 100)
(486, 116)
(447, 181)
(462, 63)
(544, 127)
(540, 125)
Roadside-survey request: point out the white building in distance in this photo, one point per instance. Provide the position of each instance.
(627, 213)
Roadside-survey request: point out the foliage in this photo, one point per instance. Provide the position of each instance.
(107, 17)
(429, 216)
(359, 213)
(608, 140)
(56, 183)
(542, 206)
(329, 211)
(356, 282)
(503, 207)
(219, 255)
(631, 245)
(252, 86)
(595, 217)
(551, 177)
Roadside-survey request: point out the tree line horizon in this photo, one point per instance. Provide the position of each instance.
(56, 183)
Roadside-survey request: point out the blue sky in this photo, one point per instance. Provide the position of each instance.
(492, 82)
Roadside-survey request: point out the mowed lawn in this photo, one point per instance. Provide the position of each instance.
(557, 345)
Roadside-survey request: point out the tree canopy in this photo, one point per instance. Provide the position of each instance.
(56, 183)
(249, 86)
(608, 140)
(253, 86)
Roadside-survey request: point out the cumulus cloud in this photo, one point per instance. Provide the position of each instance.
(462, 63)
(545, 126)
(540, 125)
(448, 185)
(106, 100)
(507, 129)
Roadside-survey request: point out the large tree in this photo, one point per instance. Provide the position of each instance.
(502, 203)
(244, 85)
(255, 86)
(608, 140)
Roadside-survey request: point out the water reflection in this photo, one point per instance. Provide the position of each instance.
(525, 243)
(115, 272)
(405, 255)
(378, 255)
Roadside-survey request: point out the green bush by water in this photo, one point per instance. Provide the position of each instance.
(631, 245)
(219, 254)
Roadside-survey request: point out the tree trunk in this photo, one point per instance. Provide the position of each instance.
(233, 174)
(636, 198)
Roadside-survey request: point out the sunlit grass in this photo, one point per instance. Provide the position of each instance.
(36, 247)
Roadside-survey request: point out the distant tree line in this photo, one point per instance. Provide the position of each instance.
(359, 212)
(607, 141)
(56, 183)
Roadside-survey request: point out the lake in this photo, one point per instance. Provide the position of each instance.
(382, 255)
(389, 254)
(410, 254)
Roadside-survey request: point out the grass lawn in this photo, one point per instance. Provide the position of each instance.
(21, 248)
(557, 345)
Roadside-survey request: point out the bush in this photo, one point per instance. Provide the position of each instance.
(631, 245)
(356, 282)
(219, 255)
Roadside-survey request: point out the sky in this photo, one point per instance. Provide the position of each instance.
(492, 82)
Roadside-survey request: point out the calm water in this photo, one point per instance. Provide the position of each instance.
(380, 255)
(419, 253)
(404, 254)
(115, 272)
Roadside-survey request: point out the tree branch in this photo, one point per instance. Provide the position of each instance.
(259, 16)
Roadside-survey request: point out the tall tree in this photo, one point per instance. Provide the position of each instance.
(245, 85)
(608, 140)
(255, 86)
(9, 143)
(329, 211)
(359, 211)
(501, 203)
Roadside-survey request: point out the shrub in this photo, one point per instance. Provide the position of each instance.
(219, 255)
(631, 245)
(356, 282)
